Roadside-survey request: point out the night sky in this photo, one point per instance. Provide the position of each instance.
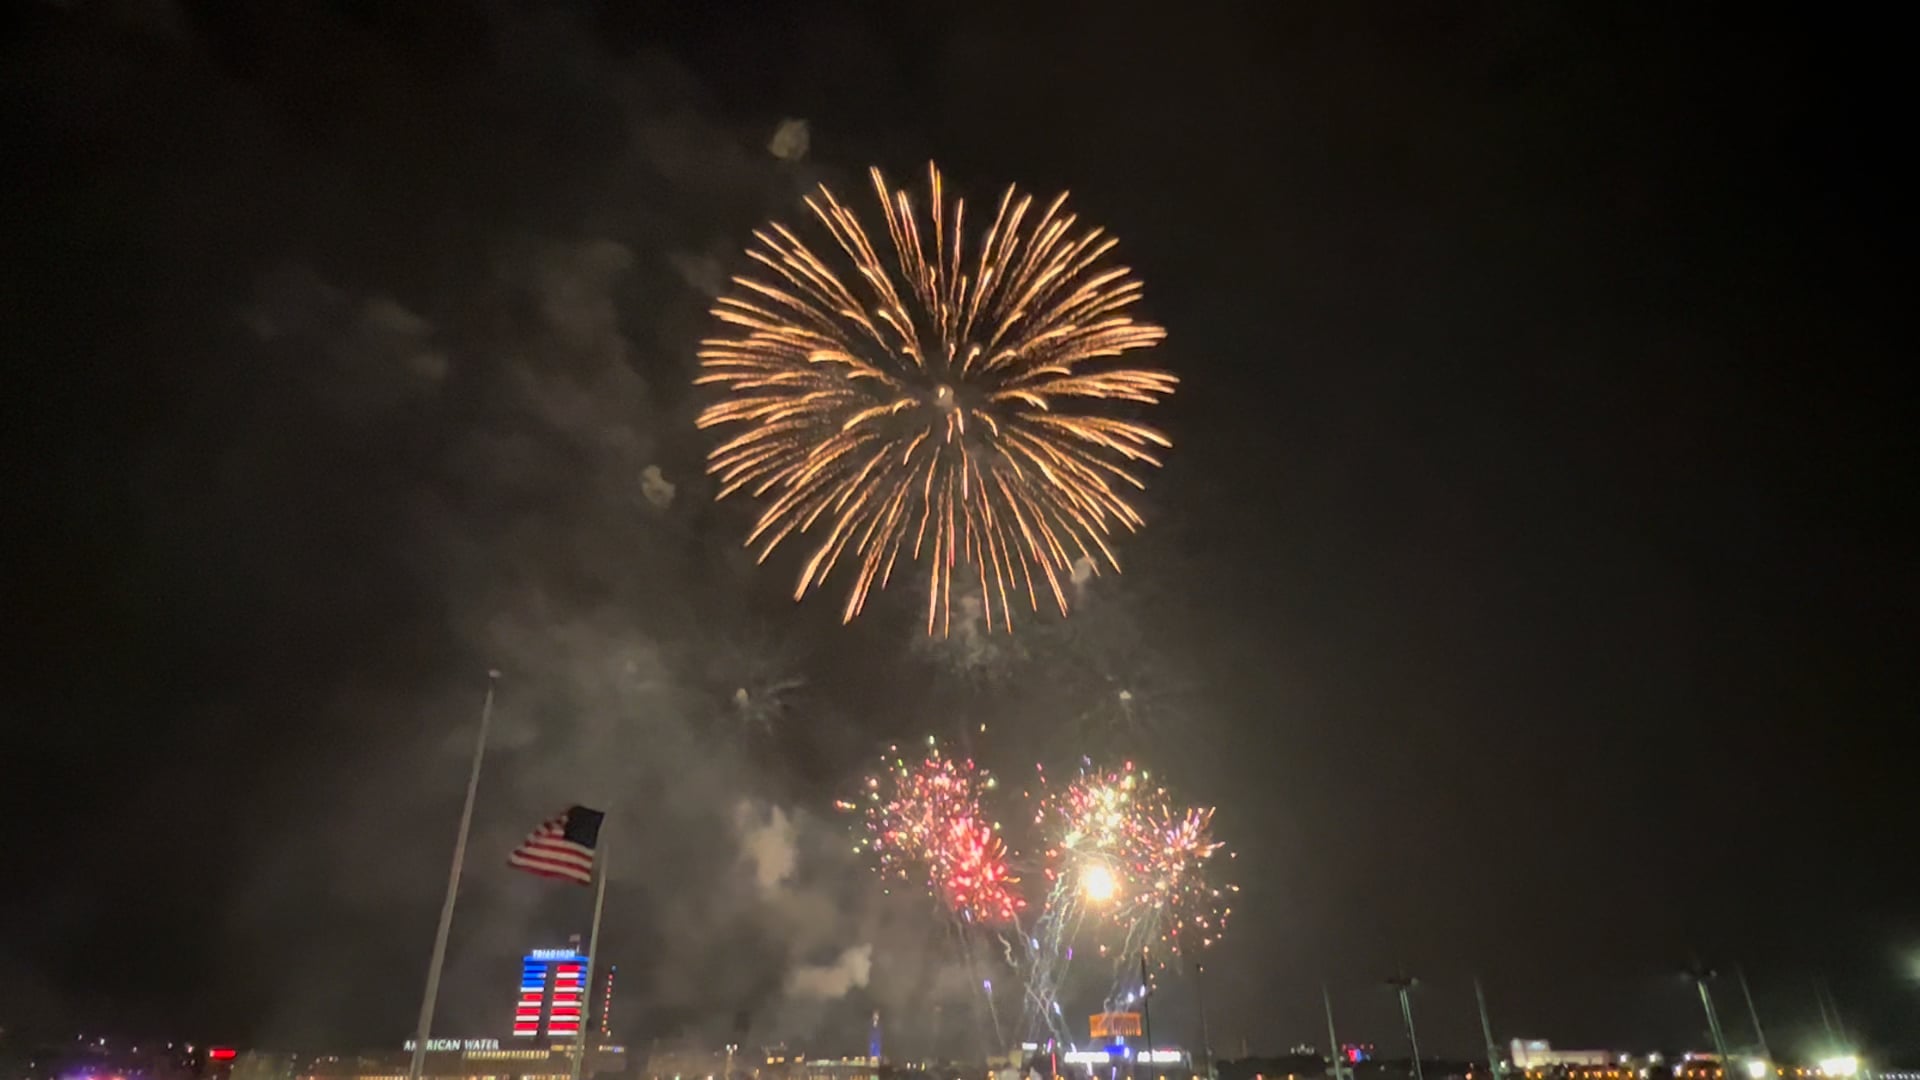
(1526, 586)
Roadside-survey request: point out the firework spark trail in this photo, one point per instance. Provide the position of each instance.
(936, 404)
(1127, 869)
(923, 819)
(1049, 959)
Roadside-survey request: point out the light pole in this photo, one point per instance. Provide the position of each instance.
(1826, 1018)
(1700, 975)
(1830, 1012)
(1403, 983)
(1333, 1040)
(1753, 1014)
(1146, 1014)
(1486, 1031)
(1206, 1037)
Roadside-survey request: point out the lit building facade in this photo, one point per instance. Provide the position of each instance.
(553, 995)
(1540, 1054)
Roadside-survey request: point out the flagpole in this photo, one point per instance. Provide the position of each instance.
(601, 853)
(427, 1000)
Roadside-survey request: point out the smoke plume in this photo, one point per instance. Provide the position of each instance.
(835, 980)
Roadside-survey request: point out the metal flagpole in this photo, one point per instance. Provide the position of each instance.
(600, 856)
(425, 1027)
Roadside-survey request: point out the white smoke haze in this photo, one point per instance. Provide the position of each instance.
(835, 980)
(705, 274)
(574, 286)
(1084, 570)
(973, 652)
(767, 845)
(363, 356)
(656, 488)
(790, 140)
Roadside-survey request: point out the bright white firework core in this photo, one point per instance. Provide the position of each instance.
(1097, 882)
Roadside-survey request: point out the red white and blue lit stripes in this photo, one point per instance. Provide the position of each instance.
(569, 996)
(553, 995)
(533, 994)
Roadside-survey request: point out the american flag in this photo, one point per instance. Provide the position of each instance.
(562, 847)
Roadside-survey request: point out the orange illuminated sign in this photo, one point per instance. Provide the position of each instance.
(1113, 1025)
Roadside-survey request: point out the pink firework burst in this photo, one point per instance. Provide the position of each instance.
(924, 821)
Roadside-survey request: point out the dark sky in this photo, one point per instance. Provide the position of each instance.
(1526, 585)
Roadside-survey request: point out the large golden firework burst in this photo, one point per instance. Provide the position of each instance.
(936, 401)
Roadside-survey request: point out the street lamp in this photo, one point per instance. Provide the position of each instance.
(1486, 1031)
(1403, 983)
(1753, 1014)
(1333, 1040)
(1700, 975)
(1206, 1037)
(1146, 1012)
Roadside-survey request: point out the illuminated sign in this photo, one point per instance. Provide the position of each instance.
(1113, 1025)
(553, 994)
(1103, 1057)
(455, 1044)
(222, 1053)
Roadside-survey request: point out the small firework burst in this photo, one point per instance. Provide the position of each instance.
(923, 821)
(1117, 851)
